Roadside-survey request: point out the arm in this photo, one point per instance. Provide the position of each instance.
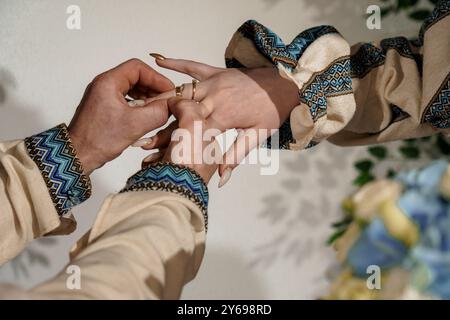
(148, 240)
(146, 243)
(368, 93)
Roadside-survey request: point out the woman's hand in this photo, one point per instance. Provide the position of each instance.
(245, 99)
(190, 140)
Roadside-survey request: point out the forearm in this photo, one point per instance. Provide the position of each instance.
(146, 243)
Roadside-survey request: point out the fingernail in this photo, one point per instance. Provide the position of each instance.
(138, 103)
(152, 157)
(225, 177)
(158, 56)
(142, 142)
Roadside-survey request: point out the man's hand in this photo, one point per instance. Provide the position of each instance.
(104, 125)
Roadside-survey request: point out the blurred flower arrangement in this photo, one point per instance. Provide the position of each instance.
(399, 219)
(401, 226)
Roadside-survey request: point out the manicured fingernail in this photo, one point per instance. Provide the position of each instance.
(142, 142)
(157, 56)
(225, 177)
(153, 157)
(136, 103)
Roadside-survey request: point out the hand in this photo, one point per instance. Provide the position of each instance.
(248, 99)
(104, 124)
(190, 140)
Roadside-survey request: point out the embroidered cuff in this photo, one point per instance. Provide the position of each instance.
(174, 178)
(55, 156)
(318, 75)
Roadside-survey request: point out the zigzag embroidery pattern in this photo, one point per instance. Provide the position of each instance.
(370, 56)
(332, 82)
(55, 157)
(172, 178)
(438, 111)
(273, 47)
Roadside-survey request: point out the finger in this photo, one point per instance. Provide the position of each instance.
(138, 93)
(154, 157)
(246, 141)
(184, 110)
(196, 70)
(149, 116)
(162, 96)
(136, 73)
(162, 138)
(137, 102)
(201, 91)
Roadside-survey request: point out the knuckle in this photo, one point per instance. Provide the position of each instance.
(135, 61)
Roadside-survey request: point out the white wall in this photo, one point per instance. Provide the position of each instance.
(267, 233)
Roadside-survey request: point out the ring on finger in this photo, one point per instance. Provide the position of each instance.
(179, 90)
(194, 88)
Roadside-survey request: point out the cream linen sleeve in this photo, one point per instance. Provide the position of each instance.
(146, 243)
(40, 181)
(368, 93)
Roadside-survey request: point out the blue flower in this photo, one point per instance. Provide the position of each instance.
(424, 204)
(375, 247)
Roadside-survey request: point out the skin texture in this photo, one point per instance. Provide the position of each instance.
(190, 142)
(244, 99)
(104, 124)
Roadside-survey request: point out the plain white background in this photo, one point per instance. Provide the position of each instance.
(267, 233)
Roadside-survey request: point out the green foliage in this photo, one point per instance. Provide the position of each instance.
(443, 145)
(413, 8)
(364, 165)
(379, 152)
(409, 151)
(336, 235)
(363, 178)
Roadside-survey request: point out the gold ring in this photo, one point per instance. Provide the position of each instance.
(179, 91)
(194, 88)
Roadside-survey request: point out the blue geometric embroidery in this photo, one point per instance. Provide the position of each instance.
(172, 178)
(369, 56)
(272, 46)
(56, 158)
(441, 10)
(334, 81)
(437, 112)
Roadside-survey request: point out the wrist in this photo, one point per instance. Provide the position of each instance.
(55, 156)
(85, 154)
(288, 92)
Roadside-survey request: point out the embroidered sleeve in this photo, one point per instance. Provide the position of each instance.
(55, 156)
(372, 92)
(173, 178)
